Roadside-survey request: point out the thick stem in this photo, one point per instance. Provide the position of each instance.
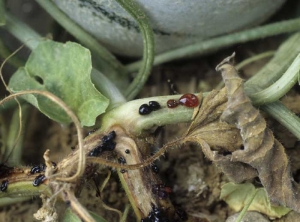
(22, 31)
(274, 69)
(284, 116)
(137, 124)
(280, 87)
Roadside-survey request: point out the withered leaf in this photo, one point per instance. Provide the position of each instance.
(261, 150)
(226, 122)
(206, 125)
(213, 135)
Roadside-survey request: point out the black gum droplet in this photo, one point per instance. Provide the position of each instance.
(144, 109)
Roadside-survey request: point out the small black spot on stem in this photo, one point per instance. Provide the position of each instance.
(122, 160)
(38, 180)
(4, 185)
(107, 144)
(38, 169)
(155, 168)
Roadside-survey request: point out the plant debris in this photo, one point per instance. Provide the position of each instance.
(234, 135)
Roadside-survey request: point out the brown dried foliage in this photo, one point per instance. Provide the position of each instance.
(227, 120)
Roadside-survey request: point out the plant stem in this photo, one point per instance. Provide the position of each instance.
(213, 44)
(271, 72)
(70, 113)
(23, 188)
(5, 52)
(5, 201)
(107, 88)
(22, 31)
(137, 123)
(284, 116)
(254, 59)
(148, 41)
(78, 208)
(131, 200)
(279, 88)
(125, 214)
(14, 141)
(246, 207)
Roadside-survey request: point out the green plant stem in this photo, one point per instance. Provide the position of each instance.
(10, 105)
(127, 191)
(22, 31)
(254, 59)
(5, 201)
(280, 87)
(24, 189)
(5, 52)
(271, 72)
(3, 136)
(213, 44)
(125, 213)
(107, 88)
(284, 116)
(165, 116)
(105, 61)
(2, 13)
(137, 123)
(15, 143)
(246, 207)
(148, 41)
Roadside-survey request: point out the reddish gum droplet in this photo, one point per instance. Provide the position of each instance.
(189, 100)
(172, 103)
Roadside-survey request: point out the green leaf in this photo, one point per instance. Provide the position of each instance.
(69, 216)
(238, 195)
(64, 70)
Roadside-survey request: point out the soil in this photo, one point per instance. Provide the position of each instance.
(195, 181)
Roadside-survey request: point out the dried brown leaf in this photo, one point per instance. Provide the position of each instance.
(261, 150)
(206, 125)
